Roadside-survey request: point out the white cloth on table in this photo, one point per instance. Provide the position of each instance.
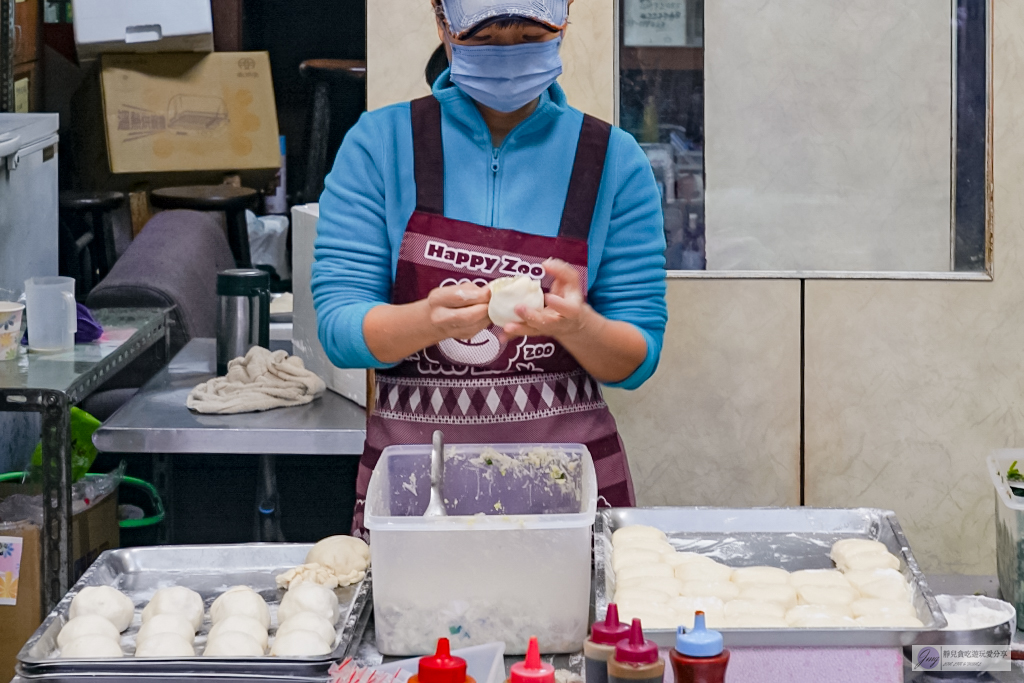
(261, 380)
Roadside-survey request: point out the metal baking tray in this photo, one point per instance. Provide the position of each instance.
(790, 538)
(208, 570)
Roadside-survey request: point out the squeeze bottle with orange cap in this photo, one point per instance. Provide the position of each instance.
(442, 667)
(699, 655)
(532, 670)
(600, 646)
(636, 660)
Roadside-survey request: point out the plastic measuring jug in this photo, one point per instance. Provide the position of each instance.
(52, 315)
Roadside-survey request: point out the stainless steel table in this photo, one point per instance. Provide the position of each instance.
(50, 384)
(156, 421)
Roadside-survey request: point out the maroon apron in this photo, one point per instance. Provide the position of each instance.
(484, 390)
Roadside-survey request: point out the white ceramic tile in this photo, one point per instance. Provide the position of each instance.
(719, 423)
(828, 134)
(911, 385)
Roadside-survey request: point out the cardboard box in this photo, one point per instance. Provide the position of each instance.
(176, 119)
(93, 531)
(28, 88)
(28, 20)
(134, 26)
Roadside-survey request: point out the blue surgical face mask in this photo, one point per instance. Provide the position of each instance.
(506, 77)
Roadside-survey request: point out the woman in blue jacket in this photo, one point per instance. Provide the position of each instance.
(493, 175)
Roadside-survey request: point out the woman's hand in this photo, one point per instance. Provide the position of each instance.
(564, 314)
(458, 311)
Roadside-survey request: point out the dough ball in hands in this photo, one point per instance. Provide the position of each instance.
(87, 625)
(165, 645)
(346, 556)
(241, 624)
(299, 643)
(309, 597)
(509, 292)
(818, 577)
(106, 602)
(307, 621)
(233, 644)
(637, 531)
(176, 600)
(167, 623)
(92, 647)
(760, 575)
(241, 601)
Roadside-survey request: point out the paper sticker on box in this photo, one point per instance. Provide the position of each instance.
(10, 569)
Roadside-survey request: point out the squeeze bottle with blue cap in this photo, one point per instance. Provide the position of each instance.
(699, 655)
(600, 646)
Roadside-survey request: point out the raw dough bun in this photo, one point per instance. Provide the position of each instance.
(739, 608)
(346, 556)
(651, 616)
(233, 644)
(884, 589)
(853, 546)
(818, 577)
(634, 571)
(889, 621)
(509, 292)
(87, 625)
(176, 600)
(823, 621)
(827, 595)
(723, 590)
(642, 594)
(686, 608)
(165, 645)
(769, 592)
(312, 572)
(241, 601)
(657, 545)
(299, 643)
(307, 621)
(755, 621)
(861, 578)
(760, 575)
(665, 584)
(704, 569)
(309, 597)
(625, 558)
(638, 531)
(870, 561)
(106, 602)
(239, 624)
(873, 606)
(166, 623)
(815, 611)
(92, 647)
(677, 559)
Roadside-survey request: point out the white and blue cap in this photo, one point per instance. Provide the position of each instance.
(699, 641)
(464, 15)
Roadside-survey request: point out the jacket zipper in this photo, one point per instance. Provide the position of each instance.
(494, 185)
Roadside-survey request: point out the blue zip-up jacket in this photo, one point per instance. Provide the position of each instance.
(370, 195)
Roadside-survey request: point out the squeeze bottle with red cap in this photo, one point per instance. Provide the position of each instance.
(636, 660)
(532, 670)
(600, 646)
(442, 667)
(699, 655)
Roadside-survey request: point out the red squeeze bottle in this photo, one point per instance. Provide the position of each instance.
(442, 667)
(532, 670)
(600, 646)
(699, 655)
(636, 660)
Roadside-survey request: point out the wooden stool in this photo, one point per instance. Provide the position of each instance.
(87, 236)
(233, 201)
(324, 74)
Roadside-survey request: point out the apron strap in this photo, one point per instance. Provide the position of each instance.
(428, 155)
(585, 183)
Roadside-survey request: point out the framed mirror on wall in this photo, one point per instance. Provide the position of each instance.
(808, 139)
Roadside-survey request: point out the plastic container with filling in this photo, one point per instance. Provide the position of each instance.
(1009, 529)
(511, 560)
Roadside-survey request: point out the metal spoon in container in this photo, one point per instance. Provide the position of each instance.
(436, 506)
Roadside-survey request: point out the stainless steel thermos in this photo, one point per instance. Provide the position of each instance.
(243, 314)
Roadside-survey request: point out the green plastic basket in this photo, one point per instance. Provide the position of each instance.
(155, 501)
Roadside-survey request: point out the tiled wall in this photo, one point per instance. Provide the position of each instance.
(909, 384)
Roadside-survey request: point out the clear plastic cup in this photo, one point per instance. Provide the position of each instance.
(52, 314)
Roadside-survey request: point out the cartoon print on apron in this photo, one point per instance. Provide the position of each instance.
(488, 389)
